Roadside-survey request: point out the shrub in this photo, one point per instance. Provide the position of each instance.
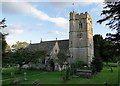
(97, 64)
(76, 65)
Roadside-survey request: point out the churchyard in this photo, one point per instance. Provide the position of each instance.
(80, 59)
(55, 77)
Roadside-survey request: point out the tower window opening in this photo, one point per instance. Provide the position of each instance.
(80, 25)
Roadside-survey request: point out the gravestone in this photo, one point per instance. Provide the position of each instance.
(82, 73)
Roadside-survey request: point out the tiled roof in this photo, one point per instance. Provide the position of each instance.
(48, 46)
(64, 46)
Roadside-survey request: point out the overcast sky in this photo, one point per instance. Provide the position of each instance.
(47, 20)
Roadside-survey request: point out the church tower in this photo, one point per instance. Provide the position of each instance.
(81, 37)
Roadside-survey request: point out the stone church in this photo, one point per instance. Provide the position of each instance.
(79, 46)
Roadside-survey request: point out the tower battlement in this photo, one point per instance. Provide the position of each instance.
(75, 15)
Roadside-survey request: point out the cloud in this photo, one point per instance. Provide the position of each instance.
(38, 25)
(14, 29)
(57, 32)
(28, 9)
(56, 0)
(62, 5)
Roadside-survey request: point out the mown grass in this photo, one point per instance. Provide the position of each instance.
(111, 63)
(6, 73)
(55, 77)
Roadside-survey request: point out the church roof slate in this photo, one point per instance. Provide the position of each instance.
(64, 46)
(48, 46)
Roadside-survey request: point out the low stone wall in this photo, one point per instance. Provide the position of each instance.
(34, 66)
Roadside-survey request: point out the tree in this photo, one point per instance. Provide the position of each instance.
(108, 51)
(3, 43)
(2, 35)
(22, 57)
(25, 56)
(98, 45)
(76, 65)
(62, 58)
(19, 45)
(112, 14)
(39, 55)
(104, 48)
(7, 59)
(115, 40)
(7, 49)
(97, 64)
(2, 23)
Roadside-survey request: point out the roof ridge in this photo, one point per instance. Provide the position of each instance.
(50, 41)
(55, 40)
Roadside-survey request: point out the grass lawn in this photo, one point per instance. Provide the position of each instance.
(55, 77)
(110, 63)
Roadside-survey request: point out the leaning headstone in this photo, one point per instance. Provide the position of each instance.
(36, 83)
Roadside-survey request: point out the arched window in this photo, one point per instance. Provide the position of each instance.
(56, 50)
(80, 25)
(43, 61)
